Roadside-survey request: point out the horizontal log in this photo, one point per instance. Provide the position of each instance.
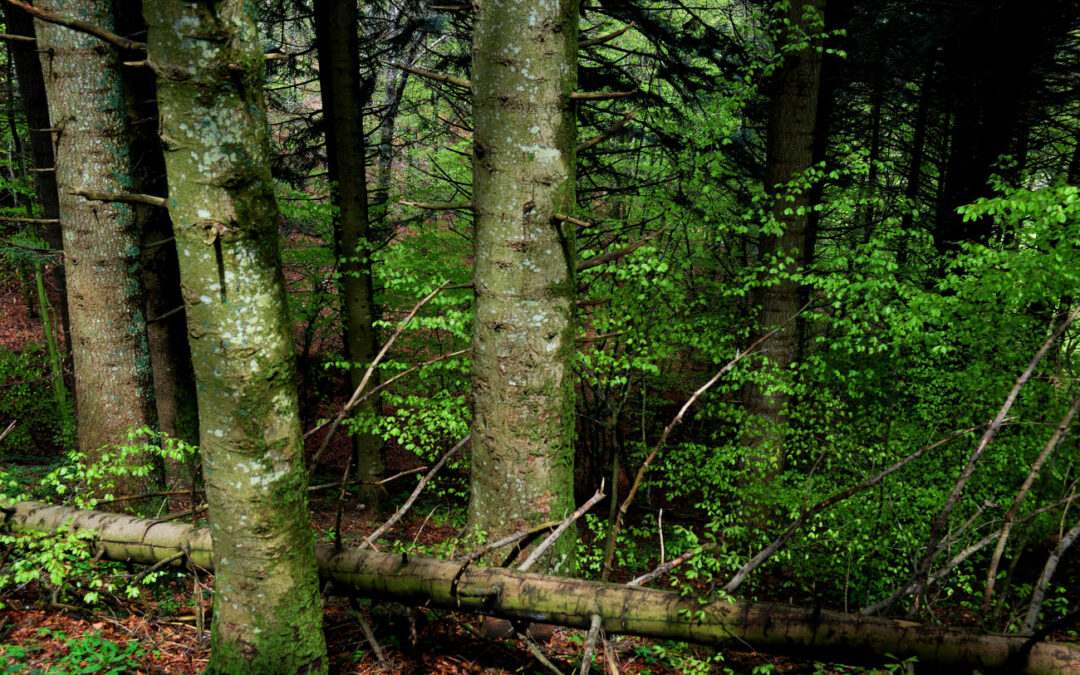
(499, 592)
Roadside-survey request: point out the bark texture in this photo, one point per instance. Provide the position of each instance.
(523, 73)
(113, 379)
(790, 152)
(267, 614)
(808, 633)
(343, 122)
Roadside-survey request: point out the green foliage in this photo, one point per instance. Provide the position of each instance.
(90, 653)
(143, 452)
(41, 426)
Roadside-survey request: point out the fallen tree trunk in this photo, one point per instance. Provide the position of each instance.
(817, 635)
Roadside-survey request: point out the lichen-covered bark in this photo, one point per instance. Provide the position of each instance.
(523, 73)
(113, 385)
(343, 121)
(267, 614)
(790, 152)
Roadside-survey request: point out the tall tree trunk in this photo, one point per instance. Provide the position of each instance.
(170, 356)
(36, 107)
(523, 74)
(790, 152)
(113, 379)
(267, 614)
(343, 102)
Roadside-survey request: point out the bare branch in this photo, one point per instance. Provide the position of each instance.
(573, 517)
(440, 206)
(606, 133)
(431, 75)
(128, 197)
(605, 38)
(79, 25)
(601, 95)
(596, 261)
(412, 498)
(355, 399)
(984, 442)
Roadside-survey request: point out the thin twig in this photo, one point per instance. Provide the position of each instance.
(764, 554)
(601, 95)
(367, 376)
(670, 565)
(158, 565)
(412, 498)
(439, 206)
(534, 649)
(954, 497)
(606, 133)
(609, 552)
(551, 538)
(395, 378)
(1010, 515)
(505, 541)
(596, 261)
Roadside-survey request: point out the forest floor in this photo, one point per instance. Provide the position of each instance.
(165, 629)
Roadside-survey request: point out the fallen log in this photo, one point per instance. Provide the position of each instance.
(508, 594)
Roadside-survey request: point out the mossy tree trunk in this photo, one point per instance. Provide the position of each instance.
(523, 74)
(113, 379)
(343, 102)
(267, 614)
(793, 104)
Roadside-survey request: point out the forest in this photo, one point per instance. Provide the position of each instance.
(563, 336)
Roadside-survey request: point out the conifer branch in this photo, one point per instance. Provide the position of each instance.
(601, 95)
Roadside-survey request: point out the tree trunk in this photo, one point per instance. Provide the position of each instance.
(781, 629)
(267, 615)
(523, 73)
(790, 152)
(113, 379)
(343, 122)
(36, 107)
(170, 356)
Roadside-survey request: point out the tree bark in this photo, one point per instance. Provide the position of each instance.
(343, 123)
(267, 615)
(170, 356)
(790, 152)
(113, 379)
(806, 633)
(523, 73)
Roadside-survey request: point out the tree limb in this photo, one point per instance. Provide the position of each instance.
(81, 26)
(431, 75)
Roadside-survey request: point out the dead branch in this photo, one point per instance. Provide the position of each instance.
(763, 555)
(439, 206)
(347, 408)
(431, 75)
(128, 197)
(596, 261)
(79, 25)
(609, 552)
(601, 95)
(370, 539)
(551, 538)
(606, 133)
(954, 497)
(606, 38)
